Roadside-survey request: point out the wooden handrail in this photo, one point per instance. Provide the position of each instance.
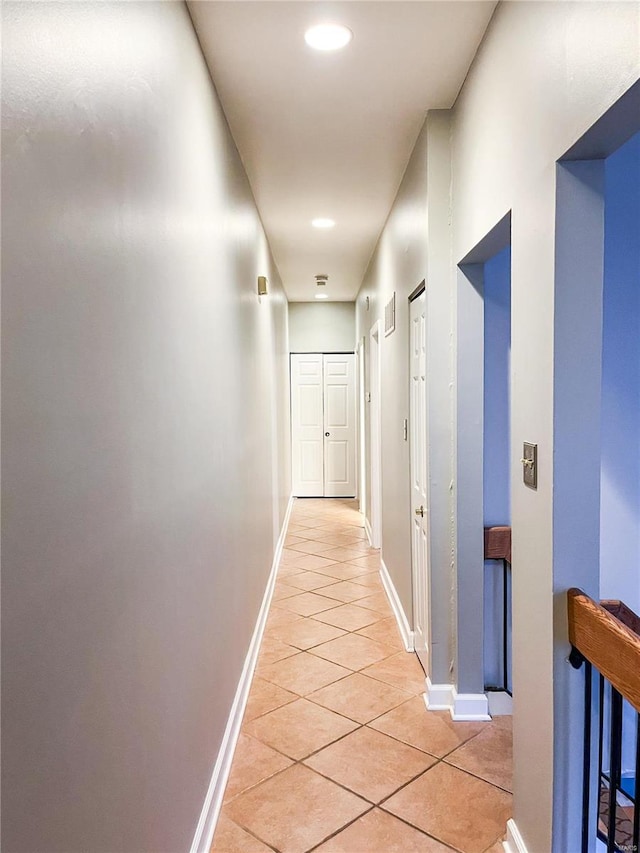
(606, 635)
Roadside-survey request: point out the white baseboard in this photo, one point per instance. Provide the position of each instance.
(401, 617)
(469, 706)
(368, 531)
(203, 837)
(500, 703)
(438, 697)
(514, 842)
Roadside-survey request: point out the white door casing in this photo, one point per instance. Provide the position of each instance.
(339, 425)
(307, 425)
(362, 450)
(374, 435)
(323, 425)
(419, 478)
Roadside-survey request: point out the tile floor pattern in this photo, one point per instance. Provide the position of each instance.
(337, 752)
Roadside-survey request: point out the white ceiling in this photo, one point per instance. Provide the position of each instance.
(330, 134)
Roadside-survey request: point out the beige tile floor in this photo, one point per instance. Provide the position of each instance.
(337, 752)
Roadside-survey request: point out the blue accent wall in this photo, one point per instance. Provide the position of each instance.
(497, 359)
(620, 475)
(497, 449)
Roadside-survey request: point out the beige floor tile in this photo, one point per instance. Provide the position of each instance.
(342, 555)
(279, 616)
(297, 810)
(273, 650)
(370, 764)
(297, 529)
(377, 601)
(288, 557)
(454, 807)
(306, 633)
(362, 545)
(311, 562)
(370, 579)
(489, 755)
(265, 697)
(379, 832)
(385, 631)
(283, 590)
(344, 540)
(497, 847)
(360, 698)
(346, 591)
(231, 838)
(343, 571)
(353, 651)
(432, 731)
(300, 728)
(371, 561)
(286, 571)
(308, 581)
(401, 670)
(307, 603)
(293, 540)
(303, 673)
(348, 616)
(253, 762)
(307, 546)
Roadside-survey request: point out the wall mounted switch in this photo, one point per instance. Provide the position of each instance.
(530, 465)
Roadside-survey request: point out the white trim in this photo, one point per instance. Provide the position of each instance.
(469, 706)
(203, 837)
(401, 617)
(438, 697)
(500, 703)
(367, 530)
(514, 842)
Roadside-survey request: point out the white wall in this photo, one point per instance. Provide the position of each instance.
(414, 247)
(544, 74)
(322, 327)
(144, 402)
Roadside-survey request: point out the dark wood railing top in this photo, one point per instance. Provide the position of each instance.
(608, 636)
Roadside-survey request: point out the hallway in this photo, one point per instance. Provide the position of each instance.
(337, 752)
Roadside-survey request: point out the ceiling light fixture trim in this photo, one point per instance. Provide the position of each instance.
(323, 222)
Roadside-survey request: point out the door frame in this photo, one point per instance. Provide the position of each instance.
(426, 660)
(375, 429)
(362, 439)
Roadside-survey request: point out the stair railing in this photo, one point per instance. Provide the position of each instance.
(605, 637)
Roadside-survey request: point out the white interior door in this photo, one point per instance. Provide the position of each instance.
(419, 475)
(339, 426)
(323, 425)
(307, 425)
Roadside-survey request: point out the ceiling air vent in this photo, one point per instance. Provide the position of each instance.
(321, 280)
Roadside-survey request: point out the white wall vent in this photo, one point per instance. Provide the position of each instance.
(390, 315)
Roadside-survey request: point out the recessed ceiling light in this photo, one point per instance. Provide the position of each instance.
(328, 36)
(321, 296)
(321, 222)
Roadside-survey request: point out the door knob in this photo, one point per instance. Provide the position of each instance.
(327, 434)
(420, 511)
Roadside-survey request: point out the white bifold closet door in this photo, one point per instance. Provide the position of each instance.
(323, 425)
